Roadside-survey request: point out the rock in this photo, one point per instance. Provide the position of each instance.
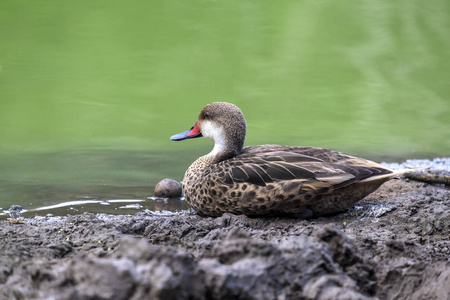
(15, 208)
(185, 256)
(168, 188)
(15, 211)
(297, 268)
(162, 272)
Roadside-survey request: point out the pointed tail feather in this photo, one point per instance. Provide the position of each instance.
(390, 175)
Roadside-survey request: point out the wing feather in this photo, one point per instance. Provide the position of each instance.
(261, 168)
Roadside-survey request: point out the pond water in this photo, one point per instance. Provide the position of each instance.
(91, 91)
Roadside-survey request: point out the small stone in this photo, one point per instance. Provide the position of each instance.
(15, 211)
(439, 225)
(397, 245)
(15, 208)
(429, 229)
(168, 188)
(413, 210)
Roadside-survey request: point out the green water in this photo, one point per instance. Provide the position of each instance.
(90, 91)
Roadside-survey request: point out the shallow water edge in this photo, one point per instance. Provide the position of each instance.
(120, 192)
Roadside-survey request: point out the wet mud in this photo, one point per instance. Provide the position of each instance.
(395, 244)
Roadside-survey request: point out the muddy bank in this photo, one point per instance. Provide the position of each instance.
(394, 245)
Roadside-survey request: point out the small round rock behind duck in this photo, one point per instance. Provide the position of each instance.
(270, 179)
(168, 188)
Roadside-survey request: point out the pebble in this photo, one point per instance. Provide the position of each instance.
(15, 208)
(429, 229)
(439, 225)
(15, 211)
(168, 188)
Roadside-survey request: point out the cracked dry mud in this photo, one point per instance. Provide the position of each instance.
(395, 244)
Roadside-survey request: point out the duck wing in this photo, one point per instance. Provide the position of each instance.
(274, 166)
(321, 154)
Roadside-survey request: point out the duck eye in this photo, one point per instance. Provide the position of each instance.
(207, 116)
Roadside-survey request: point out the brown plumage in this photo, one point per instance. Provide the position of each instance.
(270, 179)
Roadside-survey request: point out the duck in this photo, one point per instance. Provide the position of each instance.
(270, 180)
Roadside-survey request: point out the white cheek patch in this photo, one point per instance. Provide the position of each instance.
(211, 131)
(215, 133)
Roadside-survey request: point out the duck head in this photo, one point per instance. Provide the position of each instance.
(222, 123)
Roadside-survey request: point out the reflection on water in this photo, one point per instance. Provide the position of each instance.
(116, 182)
(115, 206)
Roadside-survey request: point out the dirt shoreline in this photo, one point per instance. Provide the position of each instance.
(394, 245)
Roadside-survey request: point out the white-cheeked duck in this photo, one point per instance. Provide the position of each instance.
(270, 179)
